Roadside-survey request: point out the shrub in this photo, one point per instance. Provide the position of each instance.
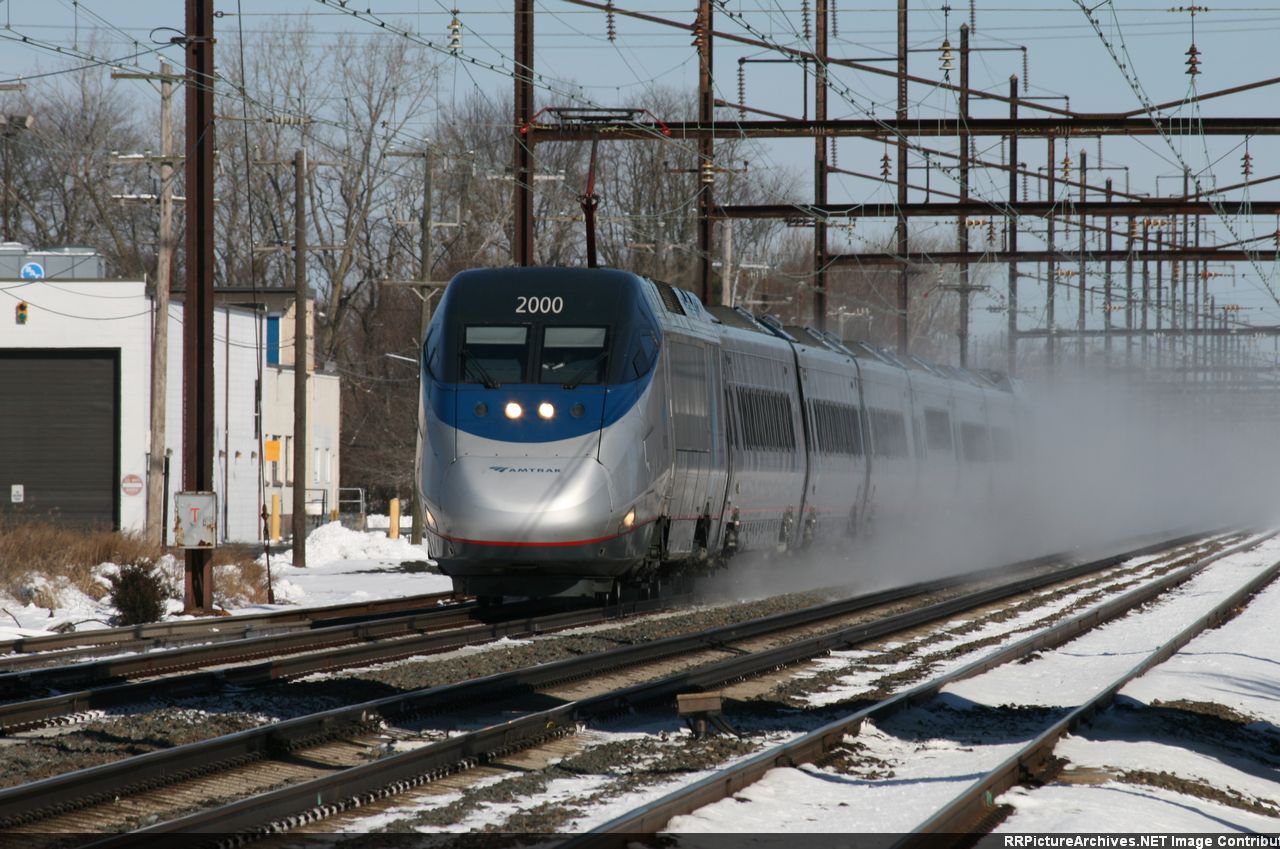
(138, 593)
(63, 555)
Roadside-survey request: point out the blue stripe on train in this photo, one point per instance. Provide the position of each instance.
(455, 405)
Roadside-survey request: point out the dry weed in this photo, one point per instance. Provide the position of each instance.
(238, 578)
(39, 559)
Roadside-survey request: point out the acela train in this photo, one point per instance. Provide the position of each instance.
(584, 431)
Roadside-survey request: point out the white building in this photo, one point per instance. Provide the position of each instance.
(75, 378)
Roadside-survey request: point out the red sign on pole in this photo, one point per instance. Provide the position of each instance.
(131, 484)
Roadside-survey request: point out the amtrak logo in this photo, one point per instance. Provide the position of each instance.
(527, 469)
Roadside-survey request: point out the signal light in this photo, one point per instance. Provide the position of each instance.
(513, 410)
(20, 313)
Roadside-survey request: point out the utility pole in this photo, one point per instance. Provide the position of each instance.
(1051, 267)
(962, 223)
(820, 168)
(1106, 285)
(300, 359)
(726, 270)
(904, 276)
(197, 309)
(704, 38)
(522, 156)
(1012, 234)
(1080, 293)
(160, 332)
(301, 330)
(11, 125)
(424, 275)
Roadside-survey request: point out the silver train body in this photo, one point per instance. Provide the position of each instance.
(586, 429)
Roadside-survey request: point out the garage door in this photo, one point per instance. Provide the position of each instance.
(59, 435)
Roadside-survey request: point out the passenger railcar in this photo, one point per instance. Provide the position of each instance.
(587, 430)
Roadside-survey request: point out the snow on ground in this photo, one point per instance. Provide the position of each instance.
(1236, 666)
(345, 565)
(927, 755)
(342, 566)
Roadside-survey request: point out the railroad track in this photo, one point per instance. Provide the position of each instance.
(337, 759)
(973, 809)
(57, 649)
(293, 654)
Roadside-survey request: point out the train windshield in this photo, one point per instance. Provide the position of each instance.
(572, 356)
(493, 355)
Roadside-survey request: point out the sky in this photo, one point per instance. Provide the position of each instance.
(578, 65)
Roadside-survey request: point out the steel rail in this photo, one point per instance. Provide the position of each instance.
(360, 783)
(386, 647)
(220, 627)
(129, 666)
(814, 745)
(969, 808)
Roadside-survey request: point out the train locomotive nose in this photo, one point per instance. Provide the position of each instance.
(526, 501)
(533, 527)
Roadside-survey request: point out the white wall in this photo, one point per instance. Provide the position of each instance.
(323, 448)
(115, 314)
(96, 315)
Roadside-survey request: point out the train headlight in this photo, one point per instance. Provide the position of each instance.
(629, 519)
(546, 410)
(430, 519)
(513, 410)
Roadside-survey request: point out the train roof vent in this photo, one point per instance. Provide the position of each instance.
(776, 327)
(735, 317)
(862, 349)
(668, 293)
(912, 361)
(999, 378)
(829, 340)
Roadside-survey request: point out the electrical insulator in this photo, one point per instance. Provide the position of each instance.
(20, 313)
(610, 25)
(708, 173)
(835, 18)
(1193, 61)
(1026, 72)
(455, 33)
(835, 156)
(804, 15)
(1246, 164)
(884, 166)
(1066, 166)
(946, 57)
(991, 231)
(742, 88)
(699, 34)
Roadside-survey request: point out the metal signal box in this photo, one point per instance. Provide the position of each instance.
(195, 519)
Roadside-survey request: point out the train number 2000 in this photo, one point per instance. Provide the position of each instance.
(543, 305)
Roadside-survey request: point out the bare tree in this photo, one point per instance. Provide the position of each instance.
(63, 176)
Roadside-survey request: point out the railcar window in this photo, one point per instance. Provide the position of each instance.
(573, 355)
(1001, 444)
(836, 428)
(765, 418)
(975, 442)
(890, 431)
(646, 353)
(937, 429)
(493, 354)
(431, 354)
(690, 403)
